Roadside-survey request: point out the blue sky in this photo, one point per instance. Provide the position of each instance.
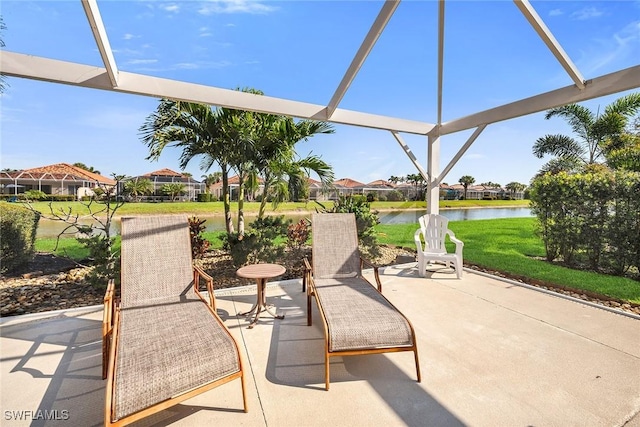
(300, 50)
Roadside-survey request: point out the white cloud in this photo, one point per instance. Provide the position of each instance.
(142, 61)
(129, 36)
(556, 12)
(235, 6)
(622, 44)
(171, 8)
(586, 13)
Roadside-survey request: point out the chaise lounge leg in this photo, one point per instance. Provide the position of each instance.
(326, 371)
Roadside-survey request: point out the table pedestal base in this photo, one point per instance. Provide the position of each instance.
(260, 305)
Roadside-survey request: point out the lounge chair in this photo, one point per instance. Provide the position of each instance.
(165, 342)
(433, 231)
(357, 318)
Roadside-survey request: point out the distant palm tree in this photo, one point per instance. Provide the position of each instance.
(138, 187)
(514, 187)
(596, 134)
(85, 167)
(491, 184)
(210, 179)
(466, 181)
(173, 189)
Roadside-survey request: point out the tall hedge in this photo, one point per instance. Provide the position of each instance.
(18, 226)
(591, 218)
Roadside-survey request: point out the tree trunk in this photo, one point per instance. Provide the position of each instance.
(241, 203)
(265, 190)
(225, 197)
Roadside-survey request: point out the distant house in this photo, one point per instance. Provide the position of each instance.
(167, 176)
(57, 179)
(234, 189)
(481, 192)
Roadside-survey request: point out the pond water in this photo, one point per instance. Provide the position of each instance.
(48, 228)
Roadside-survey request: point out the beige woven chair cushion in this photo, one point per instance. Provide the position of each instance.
(166, 349)
(335, 246)
(360, 317)
(149, 270)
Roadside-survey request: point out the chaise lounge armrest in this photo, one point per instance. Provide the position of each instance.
(107, 325)
(376, 273)
(198, 273)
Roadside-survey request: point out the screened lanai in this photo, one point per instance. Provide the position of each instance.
(110, 73)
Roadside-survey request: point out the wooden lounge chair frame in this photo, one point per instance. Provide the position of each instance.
(356, 279)
(111, 336)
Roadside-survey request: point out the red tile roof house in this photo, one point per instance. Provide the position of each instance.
(57, 179)
(167, 176)
(234, 185)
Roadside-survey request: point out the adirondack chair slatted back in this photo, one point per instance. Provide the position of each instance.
(335, 246)
(434, 229)
(148, 273)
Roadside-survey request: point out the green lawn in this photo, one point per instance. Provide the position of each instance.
(214, 208)
(507, 245)
(510, 245)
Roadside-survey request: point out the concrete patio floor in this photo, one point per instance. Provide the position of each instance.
(492, 354)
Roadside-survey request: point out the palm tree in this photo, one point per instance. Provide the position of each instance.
(277, 161)
(3, 83)
(514, 187)
(491, 184)
(596, 134)
(138, 187)
(466, 181)
(173, 189)
(210, 179)
(85, 167)
(198, 131)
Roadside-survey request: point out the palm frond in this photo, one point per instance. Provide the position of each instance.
(560, 146)
(579, 118)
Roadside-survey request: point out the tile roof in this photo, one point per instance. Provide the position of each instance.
(348, 182)
(63, 170)
(163, 172)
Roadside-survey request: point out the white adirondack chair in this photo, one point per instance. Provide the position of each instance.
(433, 231)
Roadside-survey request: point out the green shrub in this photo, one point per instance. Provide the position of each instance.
(199, 245)
(204, 197)
(18, 226)
(259, 243)
(366, 220)
(395, 196)
(298, 234)
(590, 219)
(35, 195)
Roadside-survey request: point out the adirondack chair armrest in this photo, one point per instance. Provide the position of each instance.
(376, 273)
(417, 240)
(107, 325)
(459, 243)
(199, 273)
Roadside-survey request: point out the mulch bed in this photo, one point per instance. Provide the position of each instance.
(53, 283)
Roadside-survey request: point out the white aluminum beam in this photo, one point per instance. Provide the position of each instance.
(433, 168)
(100, 35)
(608, 84)
(388, 8)
(440, 57)
(56, 71)
(545, 34)
(411, 156)
(459, 154)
